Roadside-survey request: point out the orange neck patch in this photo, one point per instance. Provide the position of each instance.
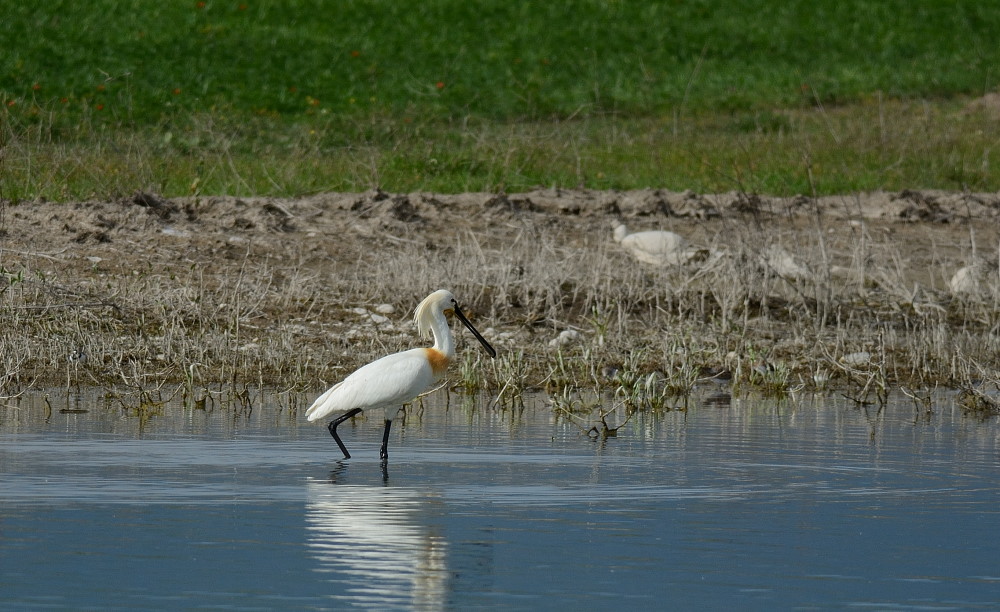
(438, 360)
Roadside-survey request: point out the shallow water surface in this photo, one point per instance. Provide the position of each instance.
(808, 503)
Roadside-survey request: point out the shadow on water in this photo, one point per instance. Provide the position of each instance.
(813, 503)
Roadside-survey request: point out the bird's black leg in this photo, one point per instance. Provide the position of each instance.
(333, 429)
(384, 452)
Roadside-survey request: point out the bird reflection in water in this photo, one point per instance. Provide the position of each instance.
(373, 540)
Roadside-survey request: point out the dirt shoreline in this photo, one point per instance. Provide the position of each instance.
(283, 291)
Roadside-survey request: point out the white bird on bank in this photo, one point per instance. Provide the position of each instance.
(659, 248)
(391, 381)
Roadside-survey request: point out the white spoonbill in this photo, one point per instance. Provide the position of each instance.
(659, 248)
(395, 379)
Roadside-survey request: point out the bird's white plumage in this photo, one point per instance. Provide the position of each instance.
(386, 383)
(658, 248)
(395, 379)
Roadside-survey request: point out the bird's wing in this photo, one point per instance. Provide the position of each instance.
(389, 381)
(655, 247)
(654, 241)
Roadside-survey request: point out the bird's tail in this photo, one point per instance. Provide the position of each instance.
(319, 408)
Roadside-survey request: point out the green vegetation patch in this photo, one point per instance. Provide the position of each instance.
(502, 60)
(290, 97)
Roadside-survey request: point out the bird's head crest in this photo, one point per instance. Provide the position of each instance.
(439, 301)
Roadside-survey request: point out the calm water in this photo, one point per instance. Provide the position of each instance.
(810, 504)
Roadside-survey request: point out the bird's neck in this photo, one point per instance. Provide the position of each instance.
(443, 341)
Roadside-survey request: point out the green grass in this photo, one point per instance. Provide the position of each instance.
(289, 97)
(839, 151)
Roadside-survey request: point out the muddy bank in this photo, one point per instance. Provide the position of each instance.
(296, 292)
